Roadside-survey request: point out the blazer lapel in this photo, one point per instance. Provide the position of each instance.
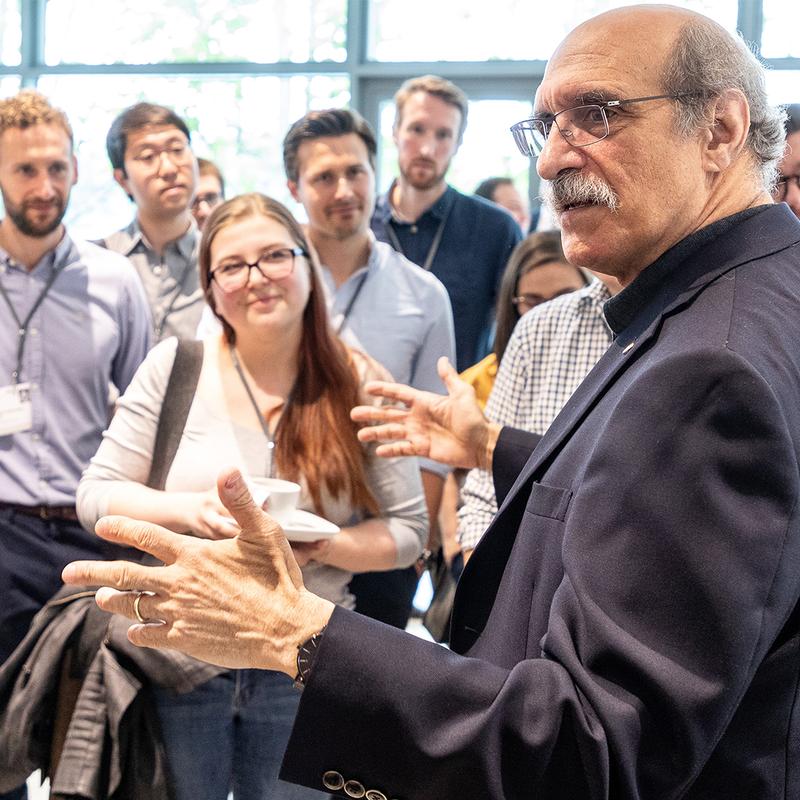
(769, 232)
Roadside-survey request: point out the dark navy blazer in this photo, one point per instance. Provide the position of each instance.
(631, 615)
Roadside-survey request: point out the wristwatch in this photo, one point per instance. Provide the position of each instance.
(306, 656)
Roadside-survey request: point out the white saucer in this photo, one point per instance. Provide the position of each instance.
(303, 526)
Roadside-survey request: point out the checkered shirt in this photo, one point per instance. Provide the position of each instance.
(551, 351)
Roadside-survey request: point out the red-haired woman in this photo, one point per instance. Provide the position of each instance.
(273, 397)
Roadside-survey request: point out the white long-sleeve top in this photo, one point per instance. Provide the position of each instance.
(212, 440)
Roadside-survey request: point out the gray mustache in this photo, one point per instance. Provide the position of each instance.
(573, 188)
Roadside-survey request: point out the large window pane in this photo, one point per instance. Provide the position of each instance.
(779, 38)
(10, 32)
(476, 30)
(487, 150)
(152, 31)
(783, 86)
(239, 123)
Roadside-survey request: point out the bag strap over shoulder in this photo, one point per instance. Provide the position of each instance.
(175, 409)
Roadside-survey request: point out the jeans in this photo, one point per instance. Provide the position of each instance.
(230, 735)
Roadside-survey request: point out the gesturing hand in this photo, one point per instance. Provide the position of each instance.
(237, 602)
(447, 428)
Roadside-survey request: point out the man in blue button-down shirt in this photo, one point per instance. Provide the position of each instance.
(380, 302)
(75, 320)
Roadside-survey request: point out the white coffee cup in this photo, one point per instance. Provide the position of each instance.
(277, 497)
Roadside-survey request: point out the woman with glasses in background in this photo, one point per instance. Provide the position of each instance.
(537, 271)
(787, 189)
(273, 397)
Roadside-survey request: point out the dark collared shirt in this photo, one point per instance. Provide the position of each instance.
(476, 241)
(664, 275)
(171, 280)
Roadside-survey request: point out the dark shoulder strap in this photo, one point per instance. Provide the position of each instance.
(175, 408)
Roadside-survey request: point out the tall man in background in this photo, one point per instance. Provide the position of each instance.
(381, 303)
(74, 319)
(464, 241)
(150, 152)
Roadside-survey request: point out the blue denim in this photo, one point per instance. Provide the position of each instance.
(230, 735)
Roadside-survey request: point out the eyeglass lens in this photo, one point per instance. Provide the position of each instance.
(273, 266)
(580, 126)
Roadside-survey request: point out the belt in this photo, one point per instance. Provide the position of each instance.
(43, 512)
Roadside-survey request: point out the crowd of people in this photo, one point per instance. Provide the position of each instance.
(606, 415)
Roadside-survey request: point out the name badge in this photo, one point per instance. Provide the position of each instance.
(16, 414)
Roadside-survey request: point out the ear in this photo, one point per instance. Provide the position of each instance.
(74, 169)
(122, 179)
(726, 137)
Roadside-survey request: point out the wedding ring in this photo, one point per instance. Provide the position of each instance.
(136, 610)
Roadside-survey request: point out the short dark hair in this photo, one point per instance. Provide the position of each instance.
(319, 124)
(487, 188)
(792, 122)
(134, 118)
(206, 167)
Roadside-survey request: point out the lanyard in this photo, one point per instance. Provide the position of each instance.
(433, 249)
(159, 328)
(261, 421)
(351, 302)
(22, 326)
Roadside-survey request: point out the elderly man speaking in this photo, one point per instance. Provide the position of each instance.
(628, 627)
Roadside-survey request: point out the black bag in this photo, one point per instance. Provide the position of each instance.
(437, 618)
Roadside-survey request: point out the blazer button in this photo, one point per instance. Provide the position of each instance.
(354, 789)
(374, 794)
(332, 780)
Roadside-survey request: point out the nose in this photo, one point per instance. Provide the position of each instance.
(558, 154)
(344, 188)
(45, 189)
(166, 166)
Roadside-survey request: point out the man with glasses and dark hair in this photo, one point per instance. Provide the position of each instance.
(150, 152)
(629, 625)
(787, 188)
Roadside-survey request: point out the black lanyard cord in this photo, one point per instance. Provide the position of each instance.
(22, 326)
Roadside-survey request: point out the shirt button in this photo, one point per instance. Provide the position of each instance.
(354, 789)
(36, 437)
(34, 331)
(374, 794)
(332, 780)
(157, 271)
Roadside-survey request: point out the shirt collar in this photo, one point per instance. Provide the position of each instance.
(62, 255)
(385, 213)
(185, 245)
(665, 271)
(373, 263)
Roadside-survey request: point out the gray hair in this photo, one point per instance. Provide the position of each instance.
(704, 62)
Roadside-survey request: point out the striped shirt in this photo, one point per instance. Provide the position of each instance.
(551, 351)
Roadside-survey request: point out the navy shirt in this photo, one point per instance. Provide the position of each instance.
(476, 241)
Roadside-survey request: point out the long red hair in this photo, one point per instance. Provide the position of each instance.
(315, 438)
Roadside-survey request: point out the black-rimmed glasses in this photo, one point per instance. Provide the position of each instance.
(580, 125)
(273, 266)
(782, 186)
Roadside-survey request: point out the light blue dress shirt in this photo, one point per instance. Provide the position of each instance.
(92, 329)
(401, 317)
